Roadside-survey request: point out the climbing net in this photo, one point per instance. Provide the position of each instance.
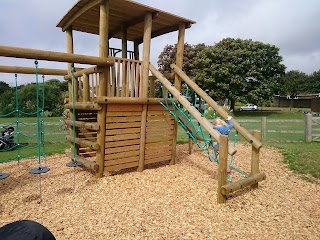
(15, 133)
(194, 129)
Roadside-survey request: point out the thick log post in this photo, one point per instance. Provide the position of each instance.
(308, 130)
(144, 84)
(136, 50)
(86, 88)
(103, 78)
(255, 157)
(124, 44)
(177, 84)
(69, 38)
(222, 169)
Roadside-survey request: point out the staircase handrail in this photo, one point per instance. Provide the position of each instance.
(244, 132)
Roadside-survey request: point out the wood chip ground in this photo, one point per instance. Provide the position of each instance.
(162, 202)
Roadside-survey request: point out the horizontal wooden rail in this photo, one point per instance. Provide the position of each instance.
(29, 70)
(242, 183)
(28, 53)
(128, 100)
(257, 144)
(87, 163)
(86, 71)
(83, 106)
(86, 125)
(186, 104)
(84, 143)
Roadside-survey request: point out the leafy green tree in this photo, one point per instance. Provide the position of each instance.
(294, 83)
(7, 102)
(53, 100)
(4, 87)
(239, 69)
(313, 83)
(168, 56)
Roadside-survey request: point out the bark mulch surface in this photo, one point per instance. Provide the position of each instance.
(162, 202)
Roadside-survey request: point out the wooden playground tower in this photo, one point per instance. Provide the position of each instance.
(116, 122)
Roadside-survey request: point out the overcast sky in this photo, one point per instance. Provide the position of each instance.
(291, 25)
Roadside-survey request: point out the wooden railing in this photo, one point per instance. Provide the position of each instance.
(125, 80)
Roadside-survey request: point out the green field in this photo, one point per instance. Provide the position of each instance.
(54, 138)
(301, 157)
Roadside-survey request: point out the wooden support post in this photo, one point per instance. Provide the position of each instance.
(190, 145)
(255, 158)
(177, 84)
(86, 88)
(152, 88)
(124, 36)
(222, 169)
(103, 78)
(144, 84)
(69, 38)
(146, 53)
(136, 50)
(179, 55)
(308, 130)
(264, 128)
(143, 137)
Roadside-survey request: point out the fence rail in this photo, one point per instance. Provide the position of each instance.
(282, 130)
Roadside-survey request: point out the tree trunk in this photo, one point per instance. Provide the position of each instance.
(232, 105)
(291, 103)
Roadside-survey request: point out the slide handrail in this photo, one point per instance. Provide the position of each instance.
(192, 110)
(251, 139)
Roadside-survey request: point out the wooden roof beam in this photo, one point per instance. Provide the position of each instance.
(165, 30)
(86, 7)
(131, 23)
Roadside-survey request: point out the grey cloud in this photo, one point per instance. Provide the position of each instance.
(292, 25)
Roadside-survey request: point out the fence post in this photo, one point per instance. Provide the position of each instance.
(263, 128)
(308, 129)
(255, 158)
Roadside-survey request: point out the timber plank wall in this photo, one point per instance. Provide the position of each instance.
(123, 134)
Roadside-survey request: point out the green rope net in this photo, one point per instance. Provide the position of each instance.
(194, 129)
(26, 135)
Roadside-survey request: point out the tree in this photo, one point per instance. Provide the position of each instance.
(294, 83)
(313, 83)
(239, 69)
(168, 56)
(4, 87)
(7, 102)
(53, 97)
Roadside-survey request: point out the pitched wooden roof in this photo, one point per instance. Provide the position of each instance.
(84, 17)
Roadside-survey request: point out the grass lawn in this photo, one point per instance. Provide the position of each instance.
(301, 157)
